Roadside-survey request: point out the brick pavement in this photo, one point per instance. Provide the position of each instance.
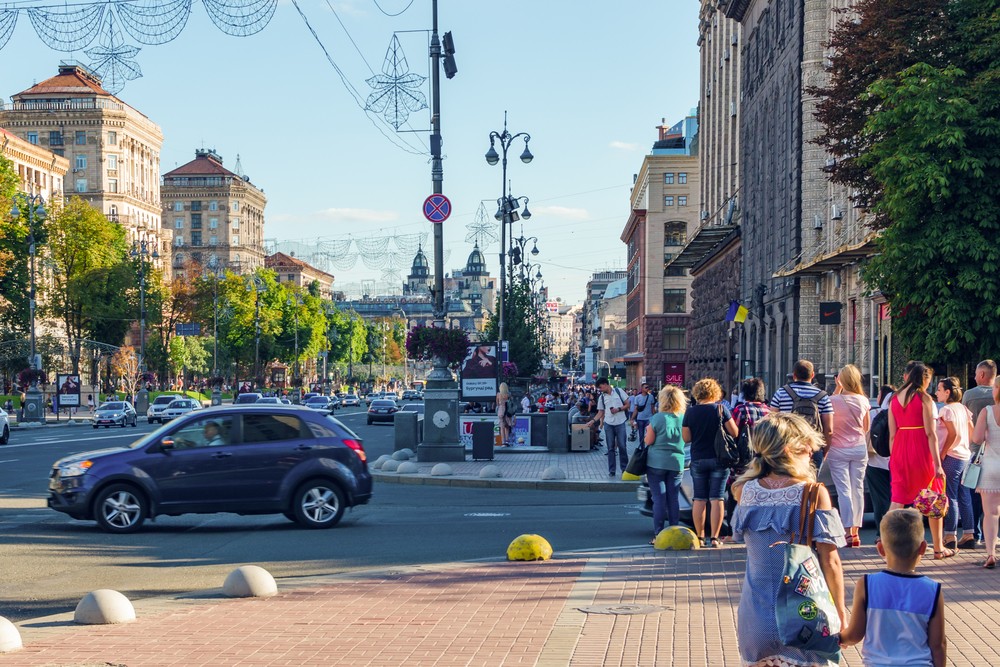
(487, 613)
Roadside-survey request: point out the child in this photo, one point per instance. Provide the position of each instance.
(898, 613)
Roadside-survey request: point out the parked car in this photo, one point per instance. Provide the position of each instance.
(244, 459)
(155, 412)
(382, 410)
(285, 401)
(350, 400)
(248, 398)
(114, 413)
(413, 407)
(180, 407)
(5, 434)
(306, 396)
(322, 404)
(684, 497)
(412, 395)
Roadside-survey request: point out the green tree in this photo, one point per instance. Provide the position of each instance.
(188, 355)
(15, 312)
(523, 327)
(348, 337)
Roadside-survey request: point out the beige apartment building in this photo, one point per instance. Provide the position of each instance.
(293, 270)
(39, 171)
(664, 214)
(113, 150)
(213, 213)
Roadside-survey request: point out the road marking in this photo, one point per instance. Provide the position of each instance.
(487, 514)
(132, 435)
(10, 461)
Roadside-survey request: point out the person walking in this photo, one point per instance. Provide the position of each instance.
(701, 423)
(976, 399)
(770, 497)
(643, 405)
(847, 454)
(612, 412)
(988, 432)
(915, 461)
(749, 409)
(802, 397)
(665, 459)
(877, 474)
(506, 410)
(954, 430)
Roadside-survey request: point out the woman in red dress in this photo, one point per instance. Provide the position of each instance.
(915, 462)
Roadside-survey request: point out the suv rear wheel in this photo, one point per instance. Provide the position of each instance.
(319, 503)
(120, 508)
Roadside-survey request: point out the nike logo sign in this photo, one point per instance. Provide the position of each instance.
(829, 314)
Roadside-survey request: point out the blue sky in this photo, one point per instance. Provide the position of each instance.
(590, 82)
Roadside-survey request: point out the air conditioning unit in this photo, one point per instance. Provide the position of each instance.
(817, 221)
(733, 39)
(836, 213)
(732, 108)
(725, 55)
(704, 215)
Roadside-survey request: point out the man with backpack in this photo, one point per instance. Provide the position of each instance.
(612, 412)
(643, 407)
(802, 397)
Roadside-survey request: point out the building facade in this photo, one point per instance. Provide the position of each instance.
(214, 213)
(664, 214)
(113, 150)
(293, 270)
(39, 171)
(590, 328)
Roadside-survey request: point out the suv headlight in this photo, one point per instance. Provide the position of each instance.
(75, 469)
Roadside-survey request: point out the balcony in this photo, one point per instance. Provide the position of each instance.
(63, 105)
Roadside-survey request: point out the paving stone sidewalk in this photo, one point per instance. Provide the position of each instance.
(666, 608)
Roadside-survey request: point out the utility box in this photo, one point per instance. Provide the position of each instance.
(580, 439)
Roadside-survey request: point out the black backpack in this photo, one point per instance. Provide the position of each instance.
(744, 441)
(807, 408)
(880, 433)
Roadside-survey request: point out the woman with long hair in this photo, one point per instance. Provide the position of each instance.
(506, 409)
(770, 497)
(915, 460)
(665, 459)
(954, 428)
(847, 454)
(988, 432)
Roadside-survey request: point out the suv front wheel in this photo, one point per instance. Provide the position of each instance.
(120, 508)
(319, 504)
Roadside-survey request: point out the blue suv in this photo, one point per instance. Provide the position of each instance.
(242, 459)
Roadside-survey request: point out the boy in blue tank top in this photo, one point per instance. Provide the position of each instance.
(898, 613)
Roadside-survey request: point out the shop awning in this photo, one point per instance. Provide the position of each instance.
(700, 245)
(822, 263)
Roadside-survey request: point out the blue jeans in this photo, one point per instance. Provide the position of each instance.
(664, 487)
(709, 478)
(959, 497)
(614, 436)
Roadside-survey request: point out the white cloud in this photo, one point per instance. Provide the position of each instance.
(623, 146)
(562, 212)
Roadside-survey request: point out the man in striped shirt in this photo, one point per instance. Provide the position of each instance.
(801, 384)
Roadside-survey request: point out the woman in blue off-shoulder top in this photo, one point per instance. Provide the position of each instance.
(770, 496)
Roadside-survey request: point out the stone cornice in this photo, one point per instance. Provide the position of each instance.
(735, 9)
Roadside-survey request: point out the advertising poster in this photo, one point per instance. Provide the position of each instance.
(69, 390)
(479, 373)
(521, 435)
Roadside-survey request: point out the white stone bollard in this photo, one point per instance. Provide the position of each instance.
(442, 470)
(553, 472)
(490, 471)
(407, 467)
(103, 607)
(10, 638)
(250, 581)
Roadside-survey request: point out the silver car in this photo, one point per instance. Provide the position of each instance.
(180, 407)
(155, 412)
(114, 413)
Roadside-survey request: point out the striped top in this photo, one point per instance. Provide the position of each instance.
(899, 611)
(782, 402)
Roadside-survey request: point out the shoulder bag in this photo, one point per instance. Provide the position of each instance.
(725, 445)
(744, 446)
(804, 611)
(970, 478)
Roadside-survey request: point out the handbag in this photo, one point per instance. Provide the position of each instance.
(636, 467)
(804, 611)
(930, 503)
(725, 445)
(970, 478)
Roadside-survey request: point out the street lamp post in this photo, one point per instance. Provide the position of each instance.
(507, 205)
(217, 270)
(295, 303)
(143, 250)
(34, 403)
(256, 285)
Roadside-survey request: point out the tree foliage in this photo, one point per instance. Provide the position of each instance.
(523, 327)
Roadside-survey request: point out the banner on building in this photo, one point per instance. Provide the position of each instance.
(673, 374)
(479, 373)
(829, 312)
(68, 387)
(552, 306)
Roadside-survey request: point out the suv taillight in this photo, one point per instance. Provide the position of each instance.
(358, 449)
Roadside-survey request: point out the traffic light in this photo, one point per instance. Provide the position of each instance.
(450, 68)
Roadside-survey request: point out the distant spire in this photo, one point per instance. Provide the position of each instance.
(238, 169)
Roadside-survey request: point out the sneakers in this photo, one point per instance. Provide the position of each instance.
(611, 474)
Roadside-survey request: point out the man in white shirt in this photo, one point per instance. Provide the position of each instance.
(612, 411)
(526, 403)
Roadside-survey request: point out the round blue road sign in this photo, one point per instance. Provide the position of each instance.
(437, 208)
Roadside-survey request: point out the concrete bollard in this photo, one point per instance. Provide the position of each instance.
(490, 471)
(10, 638)
(403, 454)
(407, 467)
(529, 547)
(377, 463)
(390, 466)
(250, 581)
(553, 472)
(442, 470)
(103, 607)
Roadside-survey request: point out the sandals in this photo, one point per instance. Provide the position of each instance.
(990, 563)
(951, 544)
(967, 543)
(853, 541)
(946, 553)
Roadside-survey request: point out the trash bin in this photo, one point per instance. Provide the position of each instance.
(482, 441)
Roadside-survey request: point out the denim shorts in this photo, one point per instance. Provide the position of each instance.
(709, 478)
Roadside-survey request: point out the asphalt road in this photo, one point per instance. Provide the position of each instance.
(49, 561)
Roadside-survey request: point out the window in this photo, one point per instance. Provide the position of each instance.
(272, 428)
(205, 432)
(674, 300)
(682, 200)
(81, 162)
(213, 223)
(668, 200)
(55, 138)
(178, 206)
(195, 238)
(33, 138)
(196, 221)
(81, 185)
(236, 207)
(236, 223)
(668, 179)
(291, 277)
(682, 178)
(213, 206)
(80, 138)
(674, 338)
(213, 240)
(112, 185)
(236, 240)
(178, 223)
(112, 162)
(674, 233)
(196, 205)
(113, 138)
(179, 240)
